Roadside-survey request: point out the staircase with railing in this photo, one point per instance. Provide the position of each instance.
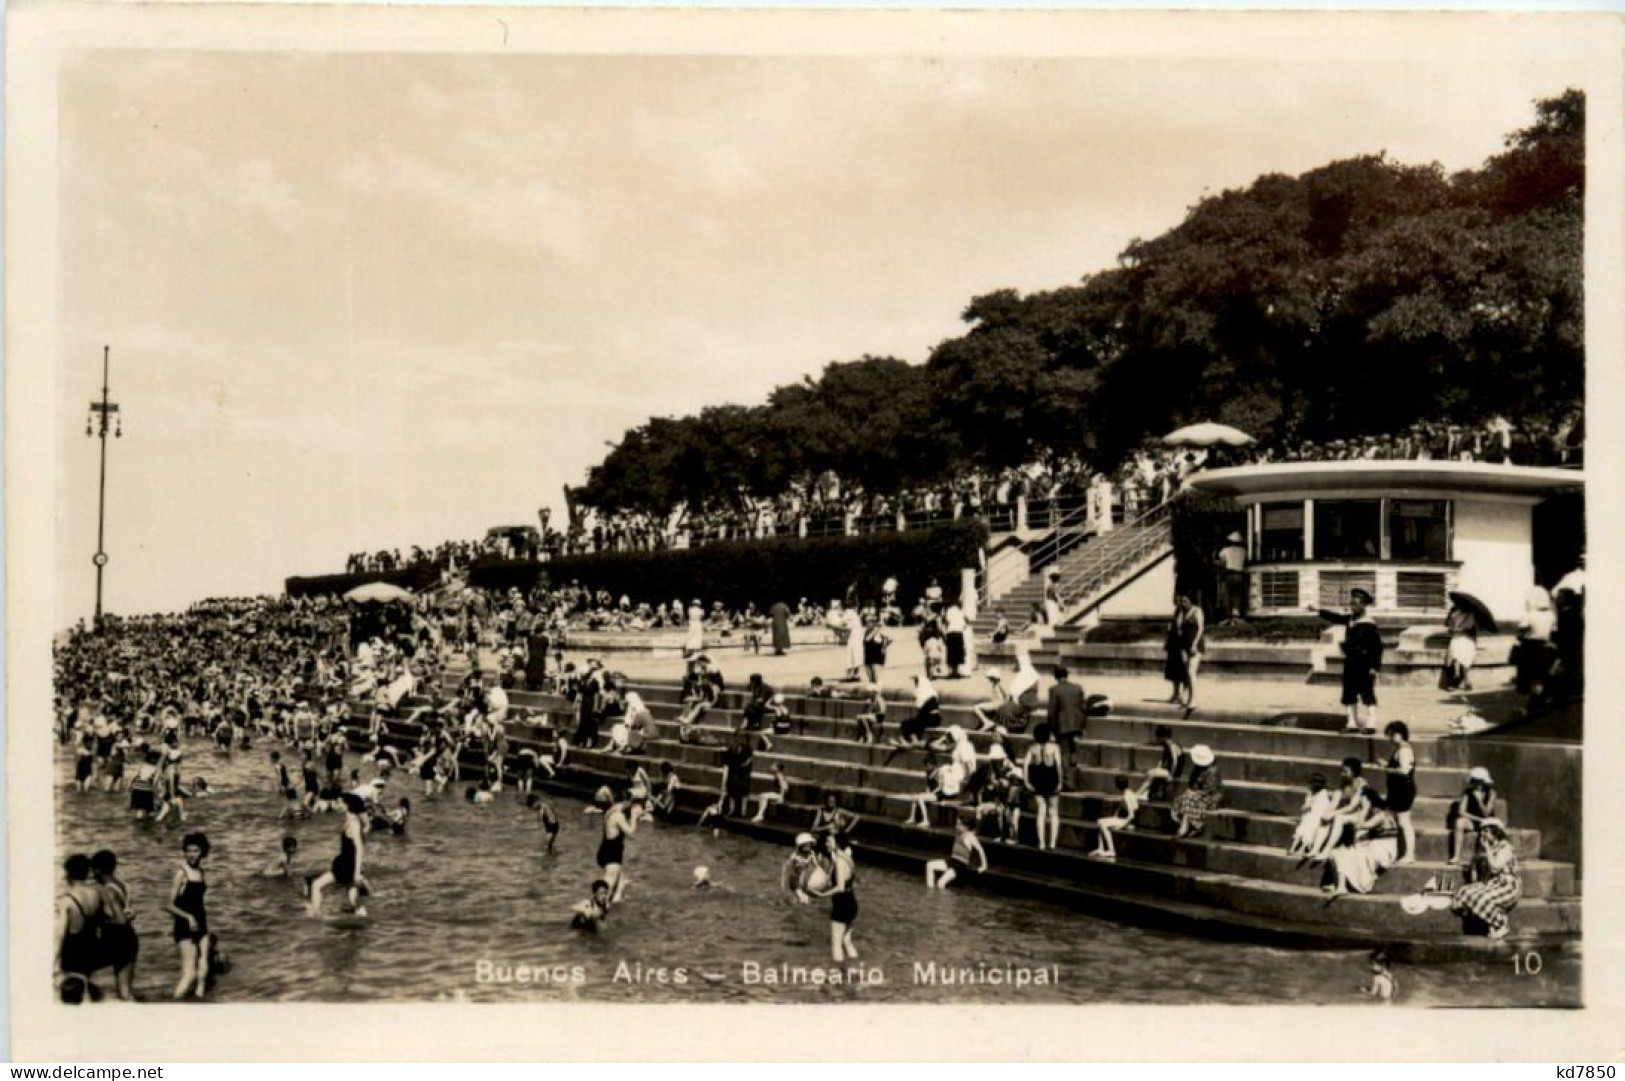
(1088, 568)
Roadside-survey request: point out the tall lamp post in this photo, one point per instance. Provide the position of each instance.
(102, 415)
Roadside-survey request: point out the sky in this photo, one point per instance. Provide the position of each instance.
(359, 301)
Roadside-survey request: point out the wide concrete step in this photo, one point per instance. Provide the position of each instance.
(1290, 912)
(834, 717)
(1540, 878)
(890, 792)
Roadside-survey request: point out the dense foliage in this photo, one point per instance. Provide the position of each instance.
(762, 572)
(1292, 308)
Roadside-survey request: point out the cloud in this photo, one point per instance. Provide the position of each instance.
(524, 212)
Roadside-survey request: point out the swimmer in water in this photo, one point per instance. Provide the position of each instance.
(144, 787)
(347, 866)
(968, 857)
(546, 817)
(591, 913)
(191, 931)
(620, 822)
(842, 892)
(803, 870)
(283, 866)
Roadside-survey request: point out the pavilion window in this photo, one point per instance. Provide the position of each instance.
(1419, 529)
(1281, 533)
(1348, 529)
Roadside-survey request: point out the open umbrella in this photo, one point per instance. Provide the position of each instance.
(378, 593)
(1481, 613)
(1208, 434)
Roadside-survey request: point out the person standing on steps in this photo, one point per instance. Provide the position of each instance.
(1041, 771)
(1184, 646)
(1053, 601)
(1068, 714)
(954, 626)
(1362, 659)
(780, 616)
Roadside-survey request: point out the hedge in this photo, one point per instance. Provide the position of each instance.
(764, 571)
(417, 579)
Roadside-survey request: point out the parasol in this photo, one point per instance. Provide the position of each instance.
(1208, 434)
(1481, 613)
(378, 593)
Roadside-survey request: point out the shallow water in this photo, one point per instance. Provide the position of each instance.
(467, 896)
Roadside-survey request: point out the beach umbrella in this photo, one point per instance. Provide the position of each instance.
(378, 593)
(1481, 612)
(1208, 434)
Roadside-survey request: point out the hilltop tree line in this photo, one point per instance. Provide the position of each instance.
(1359, 297)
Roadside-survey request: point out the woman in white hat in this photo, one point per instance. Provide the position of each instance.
(1201, 794)
(1468, 814)
(805, 870)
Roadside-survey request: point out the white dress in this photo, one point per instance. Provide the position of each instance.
(854, 640)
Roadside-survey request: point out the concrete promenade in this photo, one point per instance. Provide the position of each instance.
(1427, 710)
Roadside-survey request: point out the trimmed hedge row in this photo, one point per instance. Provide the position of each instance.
(764, 571)
(416, 579)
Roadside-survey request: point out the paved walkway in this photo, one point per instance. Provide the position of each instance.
(1427, 710)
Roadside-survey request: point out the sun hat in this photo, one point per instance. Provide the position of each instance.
(1234, 538)
(805, 839)
(1479, 773)
(1202, 755)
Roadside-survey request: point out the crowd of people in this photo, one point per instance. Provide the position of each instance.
(1059, 488)
(1555, 440)
(447, 555)
(284, 674)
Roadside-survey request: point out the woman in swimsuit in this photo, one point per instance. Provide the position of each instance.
(84, 763)
(619, 824)
(347, 865)
(843, 909)
(1401, 794)
(191, 932)
(78, 952)
(967, 858)
(1041, 770)
(119, 943)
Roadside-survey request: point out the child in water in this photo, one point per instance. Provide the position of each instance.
(282, 867)
(546, 817)
(1382, 984)
(591, 913)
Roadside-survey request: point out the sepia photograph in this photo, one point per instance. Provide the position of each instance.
(583, 518)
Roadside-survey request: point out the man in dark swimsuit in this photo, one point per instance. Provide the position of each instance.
(1362, 659)
(619, 824)
(78, 953)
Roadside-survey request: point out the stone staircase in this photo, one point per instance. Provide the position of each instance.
(1089, 571)
(1235, 880)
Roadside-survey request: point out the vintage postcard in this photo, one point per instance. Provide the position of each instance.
(514, 513)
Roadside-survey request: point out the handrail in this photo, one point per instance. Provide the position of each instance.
(1143, 544)
(1050, 550)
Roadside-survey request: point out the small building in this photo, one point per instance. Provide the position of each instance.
(1407, 532)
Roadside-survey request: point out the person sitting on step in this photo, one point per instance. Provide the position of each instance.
(1128, 806)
